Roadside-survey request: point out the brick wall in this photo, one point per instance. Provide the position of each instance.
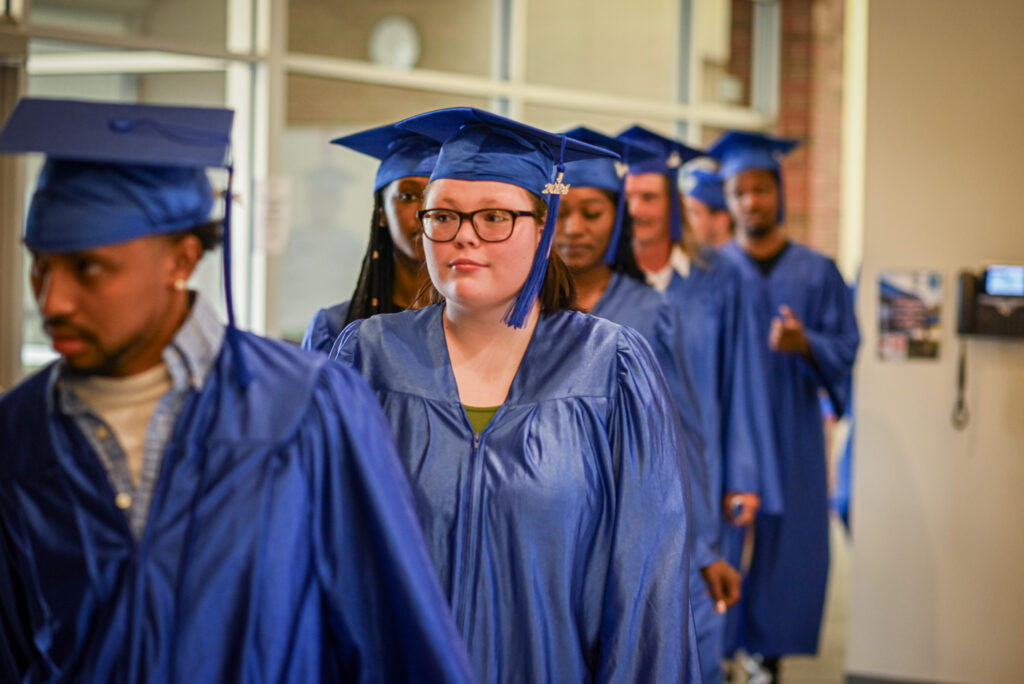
(810, 109)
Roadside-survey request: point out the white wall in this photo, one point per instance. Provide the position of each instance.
(937, 585)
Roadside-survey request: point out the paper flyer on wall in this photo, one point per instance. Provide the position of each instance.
(909, 314)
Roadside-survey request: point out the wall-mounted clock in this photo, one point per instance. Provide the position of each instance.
(395, 42)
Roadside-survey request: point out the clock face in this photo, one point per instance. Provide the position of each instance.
(395, 42)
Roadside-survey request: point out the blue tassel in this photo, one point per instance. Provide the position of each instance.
(612, 251)
(676, 213)
(242, 374)
(523, 305)
(516, 315)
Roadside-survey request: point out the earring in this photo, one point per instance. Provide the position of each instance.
(180, 284)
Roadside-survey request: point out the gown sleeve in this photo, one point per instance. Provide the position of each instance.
(324, 327)
(750, 461)
(668, 347)
(316, 332)
(645, 618)
(386, 612)
(833, 339)
(346, 347)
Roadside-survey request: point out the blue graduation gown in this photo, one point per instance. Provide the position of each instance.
(281, 544)
(785, 593)
(728, 356)
(324, 328)
(639, 306)
(561, 532)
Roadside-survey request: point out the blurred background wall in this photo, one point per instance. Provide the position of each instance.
(936, 591)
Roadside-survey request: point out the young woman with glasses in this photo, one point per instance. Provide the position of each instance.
(540, 442)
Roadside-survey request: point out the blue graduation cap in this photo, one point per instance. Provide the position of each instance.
(401, 153)
(117, 172)
(670, 154)
(738, 151)
(706, 186)
(605, 174)
(478, 145)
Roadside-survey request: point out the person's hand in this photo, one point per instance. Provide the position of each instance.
(723, 584)
(741, 507)
(787, 334)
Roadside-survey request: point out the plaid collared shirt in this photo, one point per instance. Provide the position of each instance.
(189, 358)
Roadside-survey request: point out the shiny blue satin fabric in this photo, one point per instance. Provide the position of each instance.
(724, 346)
(325, 327)
(561, 533)
(639, 306)
(281, 544)
(728, 354)
(628, 302)
(785, 592)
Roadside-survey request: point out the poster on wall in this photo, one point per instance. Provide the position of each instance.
(909, 315)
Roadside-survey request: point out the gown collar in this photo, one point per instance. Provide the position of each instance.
(609, 293)
(438, 345)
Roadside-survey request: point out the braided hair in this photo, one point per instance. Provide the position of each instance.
(374, 289)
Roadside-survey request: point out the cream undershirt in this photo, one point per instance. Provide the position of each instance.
(126, 405)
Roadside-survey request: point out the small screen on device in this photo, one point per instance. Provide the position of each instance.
(1004, 281)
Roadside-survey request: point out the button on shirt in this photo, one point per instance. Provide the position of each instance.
(126, 405)
(188, 360)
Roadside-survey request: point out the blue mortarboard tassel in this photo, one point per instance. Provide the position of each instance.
(478, 145)
(242, 374)
(516, 316)
(612, 251)
(738, 151)
(670, 154)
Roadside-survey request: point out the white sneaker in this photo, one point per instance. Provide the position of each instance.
(751, 664)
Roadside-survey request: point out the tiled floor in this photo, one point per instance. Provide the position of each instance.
(829, 666)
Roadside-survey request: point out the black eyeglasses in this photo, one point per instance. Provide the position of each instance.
(490, 225)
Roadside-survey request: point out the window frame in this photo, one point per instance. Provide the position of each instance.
(256, 61)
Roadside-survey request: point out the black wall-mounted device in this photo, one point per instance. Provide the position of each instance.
(992, 302)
